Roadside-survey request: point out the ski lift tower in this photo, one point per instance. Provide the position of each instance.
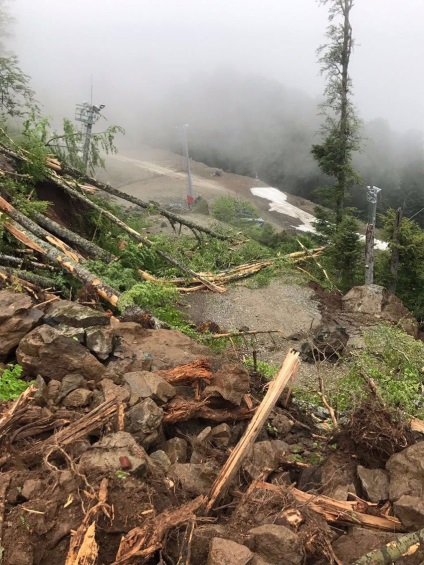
(88, 114)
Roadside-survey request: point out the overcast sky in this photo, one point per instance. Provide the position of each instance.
(134, 47)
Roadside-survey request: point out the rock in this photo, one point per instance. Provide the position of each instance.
(226, 552)
(146, 384)
(44, 351)
(138, 348)
(231, 382)
(410, 511)
(144, 422)
(18, 316)
(202, 537)
(281, 424)
(348, 548)
(106, 456)
(263, 455)
(176, 450)
(375, 483)
(338, 476)
(204, 435)
(74, 315)
(31, 488)
(160, 458)
(310, 478)
(100, 341)
(70, 383)
(78, 398)
(377, 301)
(220, 435)
(277, 544)
(73, 333)
(41, 394)
(406, 471)
(111, 390)
(194, 478)
(53, 390)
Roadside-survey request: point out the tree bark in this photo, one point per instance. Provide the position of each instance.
(394, 261)
(89, 247)
(15, 262)
(173, 218)
(37, 280)
(135, 235)
(394, 550)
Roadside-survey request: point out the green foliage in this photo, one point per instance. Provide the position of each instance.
(341, 126)
(395, 361)
(11, 384)
(267, 370)
(410, 244)
(16, 96)
(232, 211)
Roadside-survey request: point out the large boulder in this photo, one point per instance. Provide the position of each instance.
(75, 315)
(144, 384)
(377, 301)
(410, 511)
(18, 316)
(406, 471)
(375, 483)
(195, 478)
(46, 352)
(144, 422)
(264, 455)
(100, 341)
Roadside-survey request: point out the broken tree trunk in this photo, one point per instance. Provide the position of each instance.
(233, 464)
(183, 409)
(103, 290)
(42, 282)
(173, 218)
(187, 374)
(135, 235)
(15, 262)
(69, 236)
(34, 228)
(401, 547)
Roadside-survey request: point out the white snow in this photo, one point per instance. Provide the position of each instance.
(278, 203)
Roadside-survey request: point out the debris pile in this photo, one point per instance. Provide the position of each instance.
(136, 445)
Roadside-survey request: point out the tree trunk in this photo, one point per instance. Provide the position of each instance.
(394, 550)
(394, 262)
(42, 282)
(369, 254)
(89, 247)
(15, 262)
(173, 218)
(135, 235)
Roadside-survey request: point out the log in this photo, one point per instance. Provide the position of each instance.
(135, 235)
(143, 542)
(15, 262)
(401, 547)
(27, 276)
(233, 464)
(173, 218)
(103, 290)
(36, 229)
(90, 248)
(248, 332)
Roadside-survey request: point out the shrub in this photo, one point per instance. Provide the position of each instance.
(11, 384)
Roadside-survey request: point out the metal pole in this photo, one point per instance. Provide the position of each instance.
(190, 193)
(372, 192)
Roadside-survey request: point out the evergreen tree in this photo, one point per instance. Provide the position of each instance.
(341, 126)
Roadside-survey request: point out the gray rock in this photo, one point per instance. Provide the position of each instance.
(41, 394)
(160, 458)
(359, 541)
(195, 479)
(231, 382)
(111, 390)
(44, 351)
(148, 385)
(176, 450)
(78, 398)
(31, 488)
(68, 331)
(18, 316)
(107, 455)
(70, 383)
(53, 390)
(410, 511)
(144, 422)
(204, 434)
(202, 537)
(100, 341)
(406, 471)
(75, 315)
(264, 455)
(226, 552)
(281, 423)
(277, 545)
(375, 483)
(338, 476)
(220, 435)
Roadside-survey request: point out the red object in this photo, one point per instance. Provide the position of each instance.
(125, 462)
(190, 200)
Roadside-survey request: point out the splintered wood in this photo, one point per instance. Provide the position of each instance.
(233, 464)
(188, 374)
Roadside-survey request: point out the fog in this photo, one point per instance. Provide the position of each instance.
(139, 50)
